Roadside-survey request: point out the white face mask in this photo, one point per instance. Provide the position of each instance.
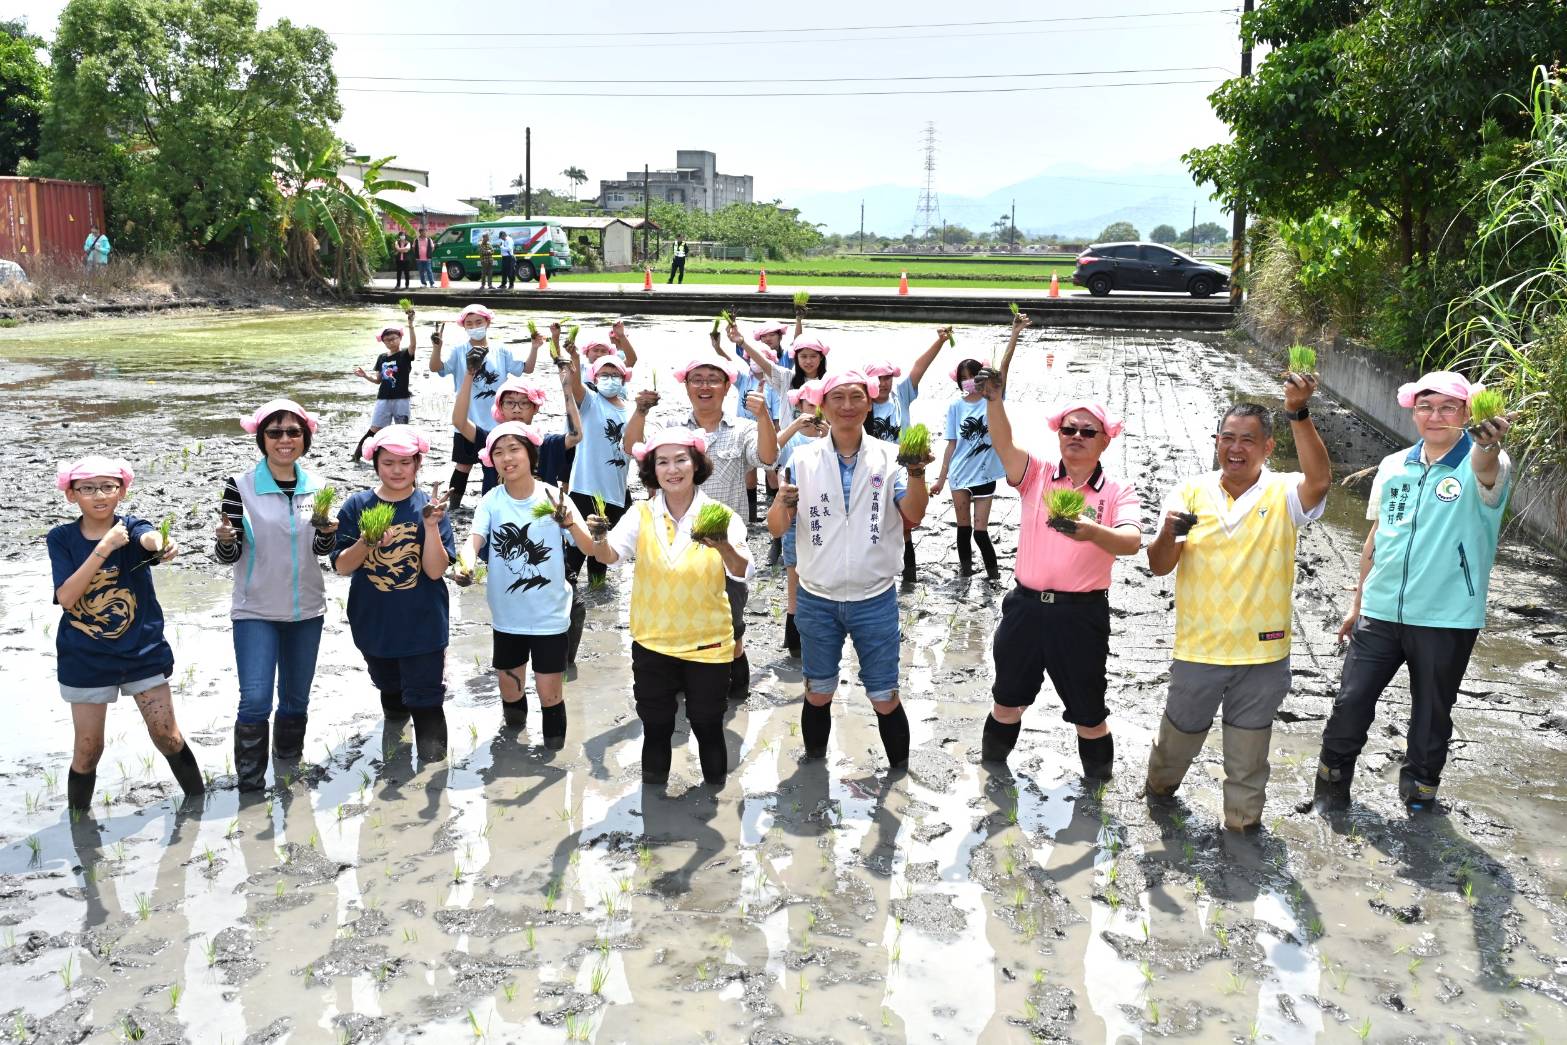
(610, 387)
(478, 333)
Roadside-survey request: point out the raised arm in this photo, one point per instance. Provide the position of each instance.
(738, 340)
(533, 353)
(618, 338)
(436, 341)
(578, 389)
(573, 415)
(766, 432)
(460, 406)
(1019, 321)
(927, 357)
(413, 336)
(1013, 457)
(646, 400)
(1309, 448)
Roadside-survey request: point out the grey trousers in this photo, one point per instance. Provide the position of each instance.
(1248, 693)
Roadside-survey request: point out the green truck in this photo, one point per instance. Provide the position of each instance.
(536, 244)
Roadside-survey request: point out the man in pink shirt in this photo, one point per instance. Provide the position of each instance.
(1056, 619)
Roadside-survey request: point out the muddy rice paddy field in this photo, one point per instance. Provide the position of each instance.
(519, 894)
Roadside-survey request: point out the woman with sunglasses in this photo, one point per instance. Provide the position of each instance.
(279, 603)
(1056, 618)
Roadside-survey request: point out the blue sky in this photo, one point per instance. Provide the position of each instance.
(472, 143)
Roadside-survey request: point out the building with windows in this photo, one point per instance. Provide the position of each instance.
(693, 183)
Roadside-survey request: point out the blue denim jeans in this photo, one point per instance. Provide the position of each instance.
(275, 656)
(426, 274)
(872, 625)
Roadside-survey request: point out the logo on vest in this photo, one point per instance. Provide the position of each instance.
(1449, 489)
(1270, 636)
(876, 482)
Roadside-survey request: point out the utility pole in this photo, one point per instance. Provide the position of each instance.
(1012, 230)
(1194, 227)
(647, 210)
(1238, 231)
(862, 226)
(527, 172)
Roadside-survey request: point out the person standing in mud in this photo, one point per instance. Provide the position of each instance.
(601, 463)
(110, 637)
(1232, 535)
(767, 377)
(1425, 570)
(400, 579)
(682, 627)
(805, 427)
(1056, 620)
(843, 490)
(734, 447)
(491, 364)
(517, 399)
(392, 376)
(972, 461)
(279, 602)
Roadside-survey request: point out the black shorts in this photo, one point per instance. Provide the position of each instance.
(547, 652)
(982, 490)
(465, 452)
(1070, 641)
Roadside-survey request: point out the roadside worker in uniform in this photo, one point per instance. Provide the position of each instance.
(503, 247)
(1232, 534)
(677, 266)
(491, 364)
(1424, 573)
(486, 262)
(1056, 620)
(848, 502)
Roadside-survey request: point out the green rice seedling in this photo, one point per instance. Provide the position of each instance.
(1302, 360)
(551, 894)
(801, 299)
(799, 1001)
(174, 996)
(1066, 504)
(578, 1027)
(571, 334)
(510, 991)
(599, 977)
(404, 305)
(701, 972)
(321, 504)
(712, 522)
(913, 446)
(167, 527)
(212, 952)
(51, 778)
(68, 972)
(1486, 406)
(473, 1021)
(718, 321)
(952, 337)
(533, 329)
(598, 507)
(533, 939)
(1013, 306)
(374, 522)
(35, 845)
(1153, 1012)
(1364, 1030)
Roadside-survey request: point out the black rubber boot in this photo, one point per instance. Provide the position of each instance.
(712, 752)
(750, 503)
(430, 734)
(251, 750)
(1417, 796)
(515, 713)
(656, 755)
(1329, 792)
(894, 730)
(965, 551)
(791, 636)
(998, 739)
(288, 736)
(815, 728)
(554, 725)
(396, 712)
(458, 487)
(579, 617)
(1097, 756)
(740, 677)
(79, 789)
(987, 553)
(186, 772)
(910, 565)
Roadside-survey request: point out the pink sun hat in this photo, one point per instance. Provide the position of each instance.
(608, 361)
(840, 379)
(516, 428)
(777, 327)
(716, 363)
(272, 406)
(670, 437)
(815, 344)
(806, 393)
(519, 385)
(475, 310)
(93, 466)
(1111, 425)
(388, 329)
(402, 440)
(883, 368)
(1442, 382)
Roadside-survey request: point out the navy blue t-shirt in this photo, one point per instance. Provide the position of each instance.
(554, 459)
(114, 633)
(394, 610)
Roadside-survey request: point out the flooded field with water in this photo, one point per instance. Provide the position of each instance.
(520, 894)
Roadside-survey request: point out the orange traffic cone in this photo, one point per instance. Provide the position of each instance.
(446, 280)
(544, 278)
(1055, 285)
(903, 283)
(647, 278)
(761, 283)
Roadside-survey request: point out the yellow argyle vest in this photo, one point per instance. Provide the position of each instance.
(1236, 577)
(679, 607)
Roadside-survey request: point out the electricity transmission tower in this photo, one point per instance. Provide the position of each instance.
(927, 212)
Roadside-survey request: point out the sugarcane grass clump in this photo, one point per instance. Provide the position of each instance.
(1486, 406)
(321, 505)
(712, 522)
(374, 522)
(913, 446)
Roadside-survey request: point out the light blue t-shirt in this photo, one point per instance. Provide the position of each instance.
(889, 419)
(526, 588)
(601, 466)
(974, 460)
(498, 365)
(745, 384)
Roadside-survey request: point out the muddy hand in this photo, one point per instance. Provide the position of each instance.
(1020, 321)
(988, 381)
(115, 539)
(435, 511)
(1489, 433)
(1066, 526)
(1348, 627)
(598, 527)
(1298, 389)
(562, 515)
(168, 551)
(755, 404)
(1180, 523)
(647, 399)
(789, 494)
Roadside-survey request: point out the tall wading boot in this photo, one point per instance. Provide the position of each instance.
(712, 752)
(998, 739)
(1097, 756)
(430, 734)
(740, 677)
(791, 636)
(186, 772)
(987, 553)
(1172, 755)
(251, 751)
(910, 564)
(458, 485)
(894, 730)
(514, 713)
(965, 551)
(1417, 795)
(288, 736)
(656, 754)
(79, 790)
(750, 503)
(1329, 791)
(554, 716)
(579, 617)
(815, 728)
(1245, 776)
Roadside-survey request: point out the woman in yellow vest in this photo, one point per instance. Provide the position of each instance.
(682, 633)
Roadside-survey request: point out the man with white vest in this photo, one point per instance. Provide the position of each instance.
(847, 499)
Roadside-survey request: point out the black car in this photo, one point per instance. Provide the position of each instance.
(1104, 267)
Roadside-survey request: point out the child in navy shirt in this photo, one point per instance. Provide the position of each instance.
(110, 639)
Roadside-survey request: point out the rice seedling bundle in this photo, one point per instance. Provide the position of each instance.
(321, 505)
(374, 522)
(913, 445)
(712, 521)
(1303, 360)
(1486, 406)
(1065, 504)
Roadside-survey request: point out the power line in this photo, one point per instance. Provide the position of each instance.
(768, 94)
(826, 79)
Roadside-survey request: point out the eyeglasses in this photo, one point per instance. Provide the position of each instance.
(98, 489)
(396, 335)
(706, 382)
(284, 433)
(1446, 411)
(1086, 433)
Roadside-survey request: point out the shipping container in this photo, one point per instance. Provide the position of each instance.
(47, 218)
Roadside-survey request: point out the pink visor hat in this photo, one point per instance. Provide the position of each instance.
(883, 368)
(95, 466)
(723, 365)
(807, 393)
(516, 428)
(272, 406)
(1442, 382)
(1111, 426)
(841, 379)
(475, 310)
(402, 440)
(670, 437)
(388, 330)
(515, 385)
(604, 362)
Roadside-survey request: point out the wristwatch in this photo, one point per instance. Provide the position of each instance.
(1298, 415)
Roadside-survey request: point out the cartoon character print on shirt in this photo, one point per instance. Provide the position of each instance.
(977, 432)
(389, 372)
(884, 428)
(103, 611)
(482, 375)
(512, 543)
(395, 566)
(614, 430)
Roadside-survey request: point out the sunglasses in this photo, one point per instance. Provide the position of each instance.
(284, 433)
(1086, 433)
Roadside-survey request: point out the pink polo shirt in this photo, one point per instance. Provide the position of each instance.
(1051, 561)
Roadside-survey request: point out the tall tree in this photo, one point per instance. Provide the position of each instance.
(1164, 234)
(1117, 231)
(181, 108)
(24, 86)
(577, 176)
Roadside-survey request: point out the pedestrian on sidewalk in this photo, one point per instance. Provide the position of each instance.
(503, 247)
(424, 254)
(402, 248)
(677, 266)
